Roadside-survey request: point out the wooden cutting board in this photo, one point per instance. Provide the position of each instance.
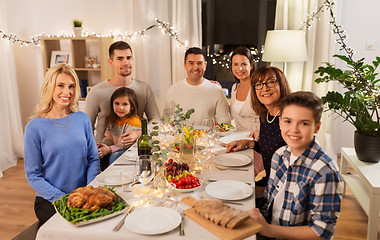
(247, 229)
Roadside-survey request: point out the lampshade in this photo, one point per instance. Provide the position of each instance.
(285, 46)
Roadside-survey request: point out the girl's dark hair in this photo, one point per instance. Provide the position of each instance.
(259, 76)
(241, 50)
(123, 92)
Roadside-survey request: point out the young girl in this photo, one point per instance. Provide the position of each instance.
(123, 118)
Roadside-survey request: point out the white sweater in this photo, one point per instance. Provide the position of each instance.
(207, 99)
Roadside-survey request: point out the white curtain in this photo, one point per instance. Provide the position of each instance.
(159, 57)
(320, 48)
(11, 140)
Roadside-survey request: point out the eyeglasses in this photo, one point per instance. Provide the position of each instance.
(269, 84)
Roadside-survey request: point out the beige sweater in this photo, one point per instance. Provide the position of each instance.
(207, 99)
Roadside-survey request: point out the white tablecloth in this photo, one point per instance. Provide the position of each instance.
(58, 229)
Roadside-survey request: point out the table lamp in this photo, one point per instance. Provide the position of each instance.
(285, 46)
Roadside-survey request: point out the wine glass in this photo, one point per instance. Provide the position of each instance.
(145, 170)
(209, 123)
(202, 152)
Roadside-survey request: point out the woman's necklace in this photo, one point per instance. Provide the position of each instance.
(61, 125)
(273, 117)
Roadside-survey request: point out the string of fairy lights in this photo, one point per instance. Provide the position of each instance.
(35, 40)
(166, 28)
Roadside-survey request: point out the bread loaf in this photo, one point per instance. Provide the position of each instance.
(220, 213)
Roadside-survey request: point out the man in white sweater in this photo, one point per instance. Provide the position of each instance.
(98, 104)
(206, 98)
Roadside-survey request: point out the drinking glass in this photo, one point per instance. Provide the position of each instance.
(127, 177)
(202, 152)
(145, 170)
(209, 123)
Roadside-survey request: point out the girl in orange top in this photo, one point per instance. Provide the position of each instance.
(122, 118)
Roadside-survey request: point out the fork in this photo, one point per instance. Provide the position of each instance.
(121, 223)
(181, 229)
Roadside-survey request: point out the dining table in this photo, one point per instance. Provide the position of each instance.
(59, 229)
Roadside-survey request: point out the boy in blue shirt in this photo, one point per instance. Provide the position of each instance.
(304, 192)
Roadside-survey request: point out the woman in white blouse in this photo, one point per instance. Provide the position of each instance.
(242, 66)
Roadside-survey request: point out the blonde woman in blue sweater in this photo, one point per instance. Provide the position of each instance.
(59, 146)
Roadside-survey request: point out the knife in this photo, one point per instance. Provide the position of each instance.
(121, 223)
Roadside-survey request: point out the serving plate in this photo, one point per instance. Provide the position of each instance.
(152, 220)
(98, 219)
(232, 160)
(229, 190)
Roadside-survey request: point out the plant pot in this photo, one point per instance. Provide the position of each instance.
(77, 31)
(367, 148)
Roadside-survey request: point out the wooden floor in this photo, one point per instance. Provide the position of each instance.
(17, 198)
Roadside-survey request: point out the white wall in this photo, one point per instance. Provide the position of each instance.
(31, 17)
(359, 20)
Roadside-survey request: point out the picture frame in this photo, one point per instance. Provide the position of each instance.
(58, 57)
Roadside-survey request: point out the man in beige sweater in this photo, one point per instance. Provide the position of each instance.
(98, 99)
(206, 98)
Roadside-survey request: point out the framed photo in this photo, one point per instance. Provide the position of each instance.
(58, 57)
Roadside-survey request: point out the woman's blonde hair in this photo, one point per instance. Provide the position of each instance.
(47, 89)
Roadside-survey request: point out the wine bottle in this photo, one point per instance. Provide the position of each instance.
(142, 143)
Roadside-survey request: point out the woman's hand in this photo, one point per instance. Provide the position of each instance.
(239, 145)
(255, 134)
(103, 150)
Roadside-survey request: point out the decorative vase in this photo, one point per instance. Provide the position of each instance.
(187, 141)
(367, 148)
(77, 31)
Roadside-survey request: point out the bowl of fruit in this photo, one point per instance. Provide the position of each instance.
(222, 129)
(179, 176)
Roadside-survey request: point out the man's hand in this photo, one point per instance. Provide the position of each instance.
(130, 137)
(239, 145)
(103, 150)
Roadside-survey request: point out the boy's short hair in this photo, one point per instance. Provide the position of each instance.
(304, 99)
(119, 45)
(194, 50)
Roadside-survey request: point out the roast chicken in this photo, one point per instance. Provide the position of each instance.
(220, 213)
(91, 198)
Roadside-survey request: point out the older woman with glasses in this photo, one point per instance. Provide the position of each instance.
(270, 87)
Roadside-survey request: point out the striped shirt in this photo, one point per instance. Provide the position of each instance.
(313, 189)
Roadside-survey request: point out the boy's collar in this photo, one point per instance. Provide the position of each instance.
(313, 145)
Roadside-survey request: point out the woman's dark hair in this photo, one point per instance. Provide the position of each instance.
(259, 76)
(241, 50)
(123, 92)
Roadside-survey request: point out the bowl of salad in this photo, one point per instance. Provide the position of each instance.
(223, 129)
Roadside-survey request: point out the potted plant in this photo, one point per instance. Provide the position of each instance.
(77, 27)
(359, 104)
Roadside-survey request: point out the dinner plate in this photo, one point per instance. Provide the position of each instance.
(152, 220)
(232, 160)
(110, 178)
(129, 155)
(229, 190)
(235, 136)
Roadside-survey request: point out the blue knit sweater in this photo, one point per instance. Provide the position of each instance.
(57, 163)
